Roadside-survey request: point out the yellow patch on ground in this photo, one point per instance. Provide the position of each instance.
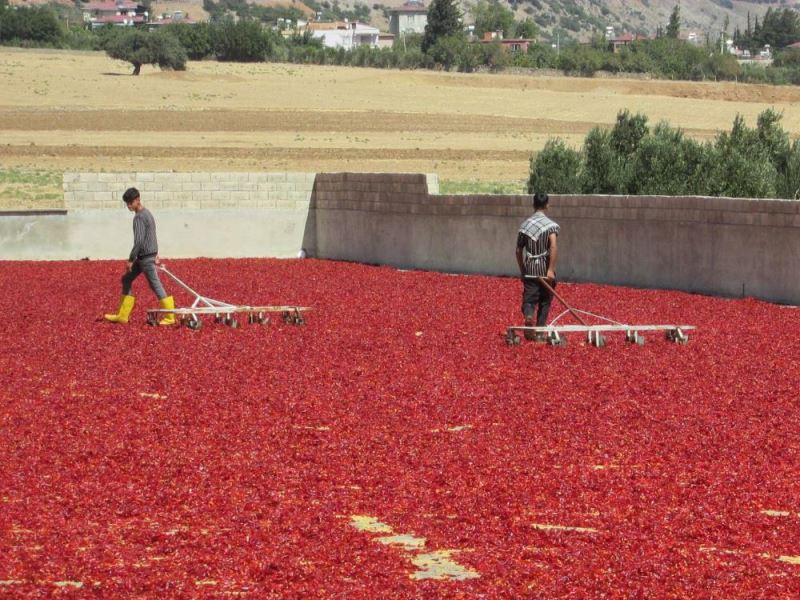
(792, 560)
(439, 565)
(408, 542)
(776, 513)
(156, 395)
(549, 527)
(205, 582)
(177, 530)
(312, 427)
(73, 584)
(11, 582)
(369, 524)
(453, 429)
(16, 529)
(430, 565)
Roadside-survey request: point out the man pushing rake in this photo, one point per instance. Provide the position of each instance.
(537, 252)
(142, 259)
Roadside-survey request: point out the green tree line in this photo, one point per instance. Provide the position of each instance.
(633, 158)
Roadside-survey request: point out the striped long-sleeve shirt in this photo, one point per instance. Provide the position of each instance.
(534, 239)
(145, 242)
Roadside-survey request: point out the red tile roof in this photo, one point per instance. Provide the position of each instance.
(108, 6)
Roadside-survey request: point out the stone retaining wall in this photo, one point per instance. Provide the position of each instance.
(721, 246)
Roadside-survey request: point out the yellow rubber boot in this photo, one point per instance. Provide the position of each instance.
(167, 303)
(125, 308)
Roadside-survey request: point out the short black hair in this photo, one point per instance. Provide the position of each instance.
(130, 195)
(540, 200)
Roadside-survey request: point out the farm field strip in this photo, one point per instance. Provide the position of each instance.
(464, 126)
(422, 144)
(275, 120)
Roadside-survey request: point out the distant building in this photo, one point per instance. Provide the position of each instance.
(763, 57)
(169, 18)
(120, 14)
(344, 34)
(623, 40)
(385, 40)
(692, 38)
(510, 44)
(411, 17)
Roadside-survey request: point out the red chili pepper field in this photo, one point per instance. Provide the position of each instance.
(394, 446)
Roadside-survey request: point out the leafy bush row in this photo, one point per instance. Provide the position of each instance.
(632, 158)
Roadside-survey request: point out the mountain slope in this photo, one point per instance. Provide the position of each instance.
(579, 19)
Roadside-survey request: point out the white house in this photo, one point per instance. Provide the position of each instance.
(411, 17)
(345, 34)
(122, 14)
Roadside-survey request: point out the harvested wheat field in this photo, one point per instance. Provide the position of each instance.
(81, 110)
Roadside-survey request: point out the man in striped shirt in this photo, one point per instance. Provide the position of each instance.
(537, 252)
(142, 259)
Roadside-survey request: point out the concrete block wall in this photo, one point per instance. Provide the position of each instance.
(723, 246)
(168, 190)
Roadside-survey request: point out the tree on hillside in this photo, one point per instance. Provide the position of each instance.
(490, 15)
(527, 29)
(779, 29)
(444, 20)
(141, 48)
(674, 25)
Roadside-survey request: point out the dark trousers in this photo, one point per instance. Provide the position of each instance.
(146, 265)
(535, 294)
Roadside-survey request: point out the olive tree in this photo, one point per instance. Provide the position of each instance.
(142, 48)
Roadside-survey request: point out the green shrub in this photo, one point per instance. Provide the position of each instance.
(555, 170)
(195, 38)
(603, 168)
(240, 41)
(788, 184)
(744, 162)
(37, 25)
(666, 163)
(447, 51)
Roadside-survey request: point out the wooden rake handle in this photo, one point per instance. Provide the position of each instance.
(546, 283)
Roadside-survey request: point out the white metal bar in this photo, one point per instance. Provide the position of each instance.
(198, 298)
(591, 328)
(227, 310)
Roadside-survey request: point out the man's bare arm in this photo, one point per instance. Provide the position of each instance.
(551, 263)
(520, 262)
